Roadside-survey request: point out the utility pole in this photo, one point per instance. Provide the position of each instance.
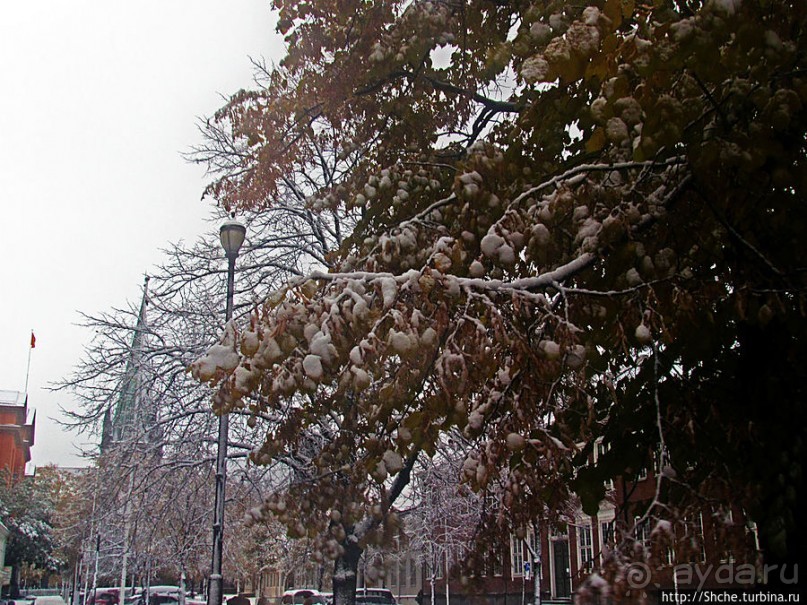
(127, 528)
(75, 597)
(97, 544)
(95, 574)
(232, 235)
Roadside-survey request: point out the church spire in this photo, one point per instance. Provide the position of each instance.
(127, 419)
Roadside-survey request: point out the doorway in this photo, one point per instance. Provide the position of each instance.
(561, 571)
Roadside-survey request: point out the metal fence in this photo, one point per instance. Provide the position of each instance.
(42, 592)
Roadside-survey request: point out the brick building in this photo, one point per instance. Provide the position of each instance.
(694, 551)
(16, 434)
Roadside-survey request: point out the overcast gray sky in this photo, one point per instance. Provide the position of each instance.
(97, 101)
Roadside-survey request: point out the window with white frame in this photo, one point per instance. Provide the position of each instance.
(600, 448)
(723, 547)
(669, 555)
(694, 530)
(534, 540)
(661, 458)
(413, 572)
(585, 542)
(641, 531)
(516, 557)
(607, 534)
(393, 573)
(434, 566)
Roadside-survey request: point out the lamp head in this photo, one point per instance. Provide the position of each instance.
(232, 234)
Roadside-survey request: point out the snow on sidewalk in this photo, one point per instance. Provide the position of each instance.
(49, 600)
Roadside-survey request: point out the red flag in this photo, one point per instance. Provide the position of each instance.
(33, 341)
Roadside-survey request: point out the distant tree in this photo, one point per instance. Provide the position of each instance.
(255, 548)
(440, 524)
(159, 451)
(65, 487)
(571, 220)
(27, 509)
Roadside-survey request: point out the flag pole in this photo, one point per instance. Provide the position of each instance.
(28, 368)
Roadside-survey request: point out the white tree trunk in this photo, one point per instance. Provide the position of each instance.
(182, 586)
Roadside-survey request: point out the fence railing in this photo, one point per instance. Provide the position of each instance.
(41, 592)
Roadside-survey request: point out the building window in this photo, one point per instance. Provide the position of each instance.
(586, 546)
(661, 457)
(607, 535)
(535, 545)
(495, 565)
(393, 574)
(435, 567)
(726, 519)
(516, 557)
(600, 448)
(669, 555)
(641, 531)
(694, 531)
(413, 572)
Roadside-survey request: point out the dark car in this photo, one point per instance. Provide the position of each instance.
(103, 596)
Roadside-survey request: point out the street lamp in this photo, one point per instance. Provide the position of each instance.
(232, 235)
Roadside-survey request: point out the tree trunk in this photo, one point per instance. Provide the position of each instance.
(182, 586)
(448, 567)
(75, 598)
(14, 588)
(345, 575)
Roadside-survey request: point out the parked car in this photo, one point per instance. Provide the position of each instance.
(375, 596)
(155, 595)
(104, 595)
(302, 596)
(19, 601)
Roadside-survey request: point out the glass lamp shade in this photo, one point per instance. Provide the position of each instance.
(232, 235)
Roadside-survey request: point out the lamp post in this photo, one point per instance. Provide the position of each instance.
(232, 235)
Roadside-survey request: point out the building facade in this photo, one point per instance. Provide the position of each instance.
(577, 551)
(16, 434)
(697, 550)
(5, 572)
